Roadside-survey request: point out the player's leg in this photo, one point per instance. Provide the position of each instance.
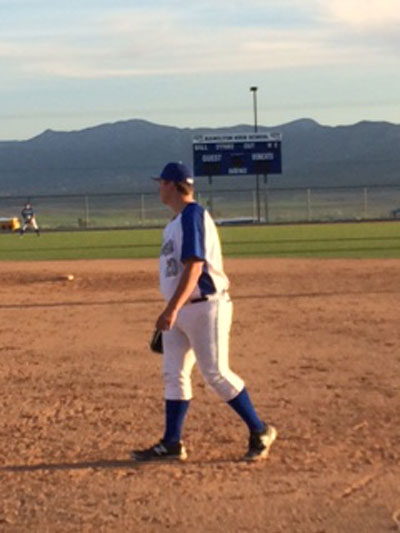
(208, 327)
(209, 336)
(178, 362)
(35, 226)
(23, 228)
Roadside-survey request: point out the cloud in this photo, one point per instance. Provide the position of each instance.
(198, 38)
(364, 13)
(171, 55)
(369, 24)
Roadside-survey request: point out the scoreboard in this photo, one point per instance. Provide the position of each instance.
(237, 154)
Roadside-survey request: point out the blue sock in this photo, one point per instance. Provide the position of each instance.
(175, 412)
(244, 408)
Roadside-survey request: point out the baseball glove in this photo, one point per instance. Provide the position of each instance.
(156, 344)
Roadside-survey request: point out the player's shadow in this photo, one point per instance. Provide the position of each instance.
(104, 464)
(100, 464)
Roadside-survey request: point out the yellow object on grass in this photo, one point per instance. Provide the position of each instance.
(10, 224)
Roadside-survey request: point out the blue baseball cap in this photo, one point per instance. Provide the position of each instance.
(177, 172)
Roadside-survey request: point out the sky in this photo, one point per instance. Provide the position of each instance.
(71, 64)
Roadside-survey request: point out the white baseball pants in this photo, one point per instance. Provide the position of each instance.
(32, 222)
(201, 333)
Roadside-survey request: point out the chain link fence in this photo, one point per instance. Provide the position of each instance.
(256, 205)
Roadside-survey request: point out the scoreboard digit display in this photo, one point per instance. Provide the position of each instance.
(237, 154)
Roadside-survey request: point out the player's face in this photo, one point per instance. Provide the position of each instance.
(166, 189)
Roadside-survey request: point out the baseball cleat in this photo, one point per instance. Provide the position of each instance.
(161, 452)
(260, 443)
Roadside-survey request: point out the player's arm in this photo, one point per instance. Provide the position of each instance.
(190, 277)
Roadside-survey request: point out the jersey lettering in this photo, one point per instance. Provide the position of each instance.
(172, 268)
(168, 247)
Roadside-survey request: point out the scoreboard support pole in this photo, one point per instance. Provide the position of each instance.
(266, 199)
(86, 211)
(258, 198)
(210, 196)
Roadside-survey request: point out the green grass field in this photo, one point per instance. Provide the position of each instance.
(355, 240)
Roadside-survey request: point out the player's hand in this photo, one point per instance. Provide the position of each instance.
(166, 320)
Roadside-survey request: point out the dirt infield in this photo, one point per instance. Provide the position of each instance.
(317, 343)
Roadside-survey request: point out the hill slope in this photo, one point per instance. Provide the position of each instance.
(121, 156)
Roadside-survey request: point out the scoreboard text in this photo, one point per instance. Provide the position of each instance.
(237, 154)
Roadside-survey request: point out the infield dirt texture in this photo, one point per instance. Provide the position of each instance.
(317, 342)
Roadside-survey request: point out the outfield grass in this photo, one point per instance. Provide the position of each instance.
(355, 240)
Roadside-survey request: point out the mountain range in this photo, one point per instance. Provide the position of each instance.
(120, 157)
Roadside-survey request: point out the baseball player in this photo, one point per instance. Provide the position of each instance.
(196, 321)
(28, 219)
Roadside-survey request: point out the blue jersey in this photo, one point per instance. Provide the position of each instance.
(192, 234)
(27, 213)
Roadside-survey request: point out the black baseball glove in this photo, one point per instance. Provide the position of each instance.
(156, 344)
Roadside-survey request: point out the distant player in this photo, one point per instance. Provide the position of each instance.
(28, 219)
(196, 321)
